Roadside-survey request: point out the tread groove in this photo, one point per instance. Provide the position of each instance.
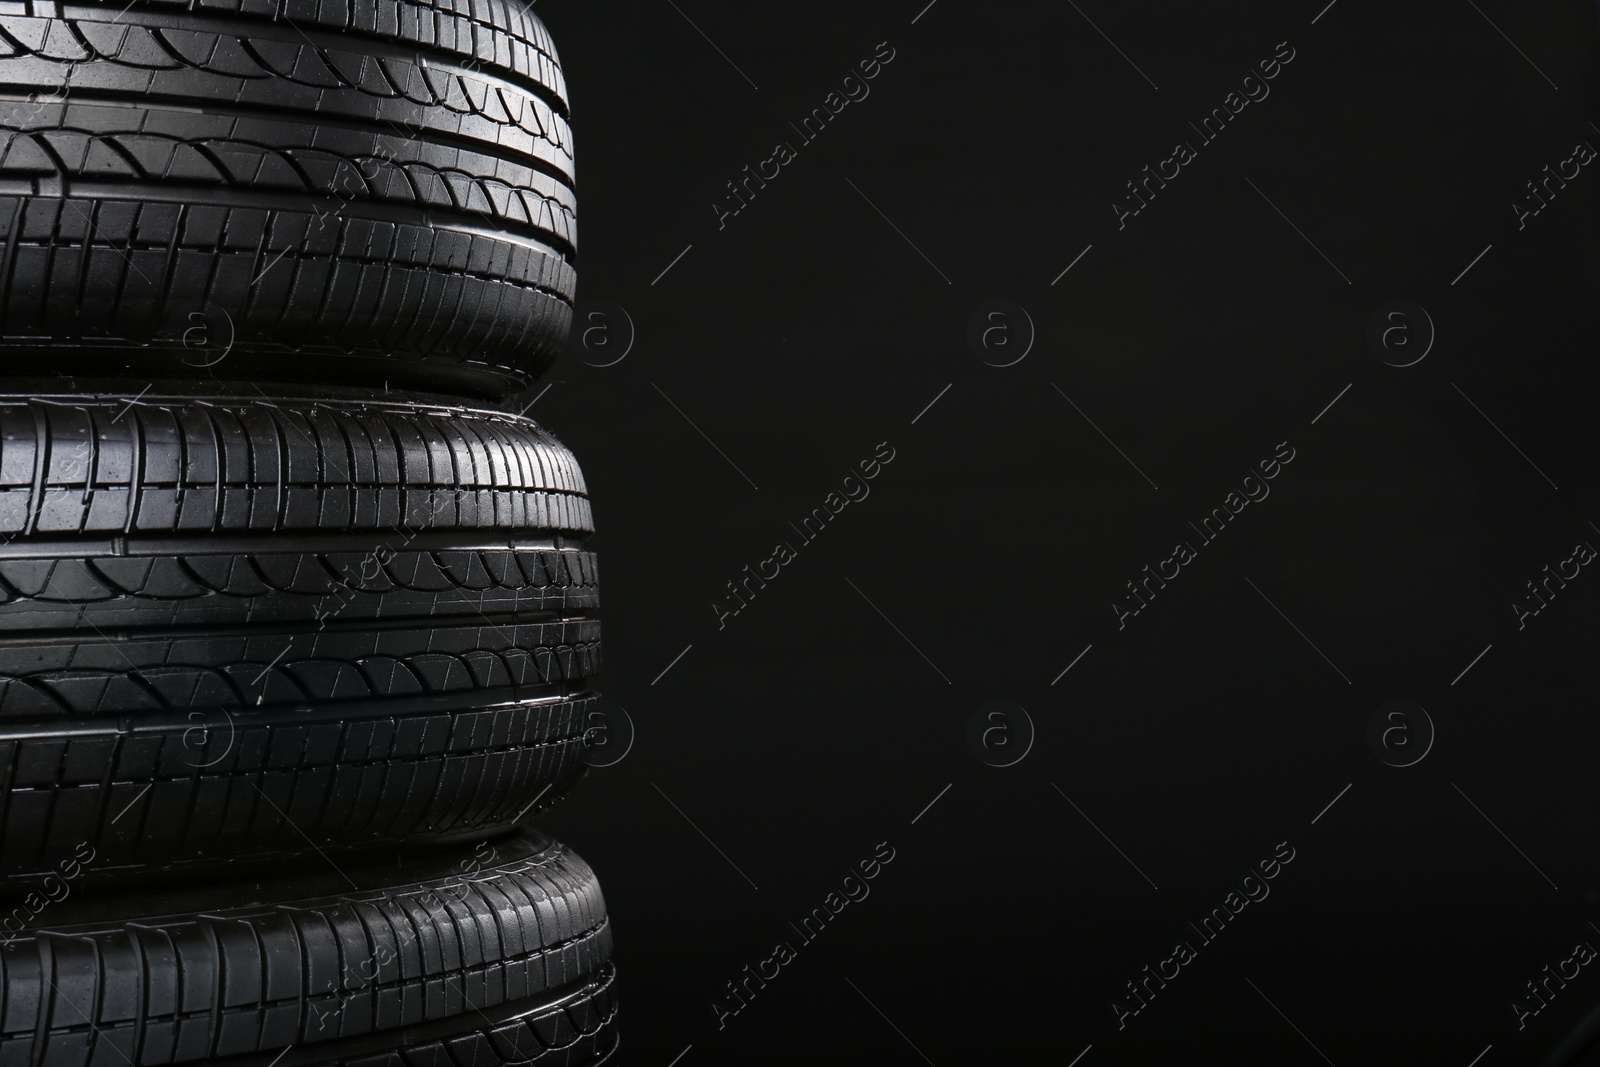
(364, 612)
(441, 143)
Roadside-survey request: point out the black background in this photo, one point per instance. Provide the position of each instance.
(1211, 728)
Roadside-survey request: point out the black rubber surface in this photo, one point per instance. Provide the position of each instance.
(166, 796)
(110, 465)
(176, 581)
(577, 1030)
(286, 191)
(240, 629)
(499, 953)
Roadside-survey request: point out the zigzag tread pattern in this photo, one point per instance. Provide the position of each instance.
(152, 673)
(299, 83)
(504, 35)
(251, 158)
(431, 275)
(239, 588)
(212, 788)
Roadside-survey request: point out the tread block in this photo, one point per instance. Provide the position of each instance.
(306, 967)
(267, 786)
(371, 192)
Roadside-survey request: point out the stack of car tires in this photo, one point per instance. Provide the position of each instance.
(296, 616)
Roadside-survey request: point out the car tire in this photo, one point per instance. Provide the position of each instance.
(236, 629)
(284, 191)
(501, 951)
